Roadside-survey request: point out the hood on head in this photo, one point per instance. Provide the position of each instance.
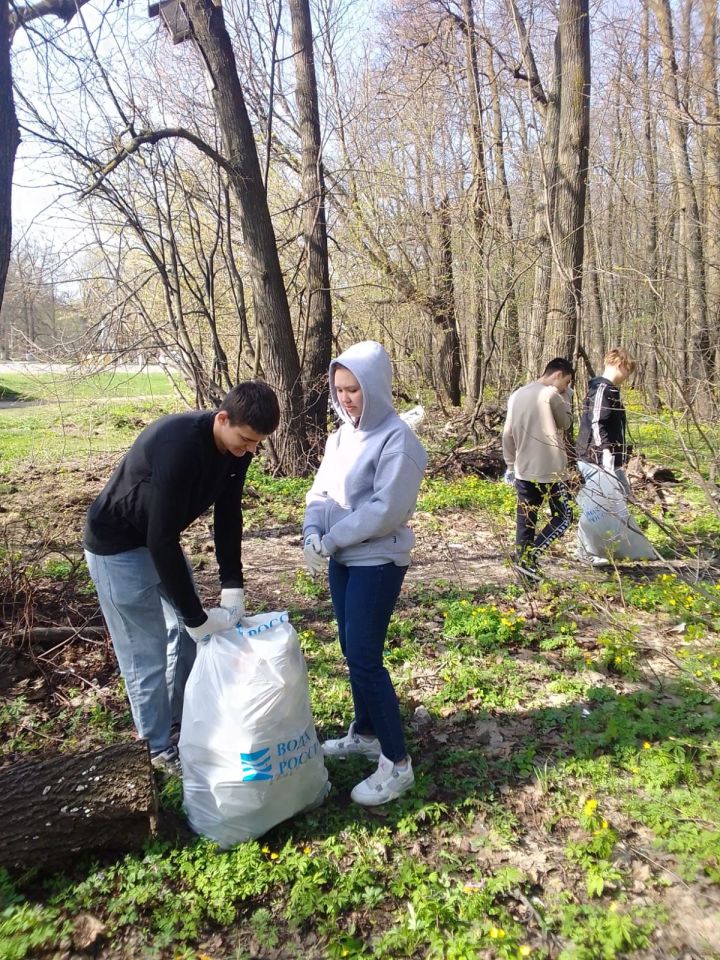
(370, 365)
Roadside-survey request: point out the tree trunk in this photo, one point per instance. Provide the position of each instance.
(445, 317)
(318, 338)
(594, 331)
(511, 329)
(54, 809)
(9, 140)
(650, 348)
(544, 217)
(711, 136)
(701, 360)
(478, 206)
(548, 107)
(572, 174)
(272, 313)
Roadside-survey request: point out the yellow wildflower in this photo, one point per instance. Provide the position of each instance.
(647, 746)
(274, 856)
(497, 933)
(524, 950)
(590, 807)
(307, 850)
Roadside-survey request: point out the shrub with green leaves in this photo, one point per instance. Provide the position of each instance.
(26, 928)
(486, 624)
(670, 594)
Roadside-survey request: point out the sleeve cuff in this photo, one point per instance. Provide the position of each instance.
(232, 583)
(329, 544)
(195, 621)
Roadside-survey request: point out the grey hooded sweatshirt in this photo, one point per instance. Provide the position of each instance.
(367, 486)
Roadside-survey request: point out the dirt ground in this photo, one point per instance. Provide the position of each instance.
(44, 509)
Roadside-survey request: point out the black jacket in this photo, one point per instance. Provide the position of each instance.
(603, 424)
(170, 476)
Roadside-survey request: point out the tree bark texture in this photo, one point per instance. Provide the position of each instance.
(711, 211)
(53, 809)
(272, 312)
(652, 279)
(9, 141)
(318, 319)
(478, 207)
(445, 316)
(572, 175)
(701, 361)
(593, 339)
(547, 106)
(511, 329)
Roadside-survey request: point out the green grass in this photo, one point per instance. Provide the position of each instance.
(54, 432)
(79, 417)
(565, 742)
(81, 386)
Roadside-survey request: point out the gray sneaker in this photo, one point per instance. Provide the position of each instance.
(167, 761)
(351, 745)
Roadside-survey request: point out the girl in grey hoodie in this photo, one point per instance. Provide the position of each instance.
(357, 512)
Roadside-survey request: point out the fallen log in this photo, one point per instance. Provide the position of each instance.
(53, 809)
(641, 470)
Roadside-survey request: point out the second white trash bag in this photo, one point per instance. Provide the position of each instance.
(605, 528)
(249, 753)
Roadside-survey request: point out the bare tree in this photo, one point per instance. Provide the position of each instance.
(318, 306)
(9, 141)
(565, 301)
(701, 354)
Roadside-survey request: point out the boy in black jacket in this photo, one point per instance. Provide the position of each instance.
(602, 438)
(603, 425)
(177, 468)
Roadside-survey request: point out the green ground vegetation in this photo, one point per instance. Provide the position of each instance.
(566, 743)
(75, 416)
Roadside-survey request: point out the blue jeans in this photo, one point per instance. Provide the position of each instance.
(364, 599)
(152, 647)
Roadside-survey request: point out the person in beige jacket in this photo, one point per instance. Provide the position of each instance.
(534, 450)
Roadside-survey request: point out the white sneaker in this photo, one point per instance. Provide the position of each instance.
(387, 783)
(351, 745)
(599, 561)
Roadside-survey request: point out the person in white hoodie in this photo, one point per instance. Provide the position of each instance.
(357, 513)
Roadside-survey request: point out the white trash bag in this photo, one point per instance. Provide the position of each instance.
(414, 416)
(249, 753)
(606, 528)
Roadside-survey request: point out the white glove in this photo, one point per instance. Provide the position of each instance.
(509, 477)
(608, 461)
(218, 620)
(315, 557)
(232, 599)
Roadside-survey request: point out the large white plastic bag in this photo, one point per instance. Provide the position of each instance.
(250, 756)
(605, 528)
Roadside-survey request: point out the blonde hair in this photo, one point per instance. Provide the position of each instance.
(620, 357)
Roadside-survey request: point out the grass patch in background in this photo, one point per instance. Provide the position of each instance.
(79, 417)
(78, 386)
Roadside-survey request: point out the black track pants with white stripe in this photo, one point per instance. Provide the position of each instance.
(530, 498)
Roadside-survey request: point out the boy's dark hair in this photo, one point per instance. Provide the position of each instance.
(254, 404)
(559, 365)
